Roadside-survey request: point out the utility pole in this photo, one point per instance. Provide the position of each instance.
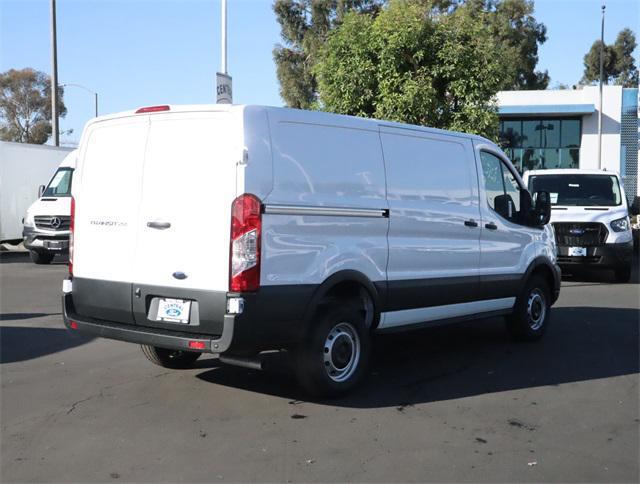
(600, 97)
(224, 90)
(54, 77)
(223, 40)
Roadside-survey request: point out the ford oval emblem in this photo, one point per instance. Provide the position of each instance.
(173, 312)
(179, 275)
(576, 232)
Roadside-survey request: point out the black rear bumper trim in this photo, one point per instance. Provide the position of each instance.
(148, 336)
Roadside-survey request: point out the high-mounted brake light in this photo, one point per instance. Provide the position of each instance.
(72, 227)
(246, 229)
(153, 109)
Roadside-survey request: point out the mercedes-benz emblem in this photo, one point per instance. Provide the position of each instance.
(56, 222)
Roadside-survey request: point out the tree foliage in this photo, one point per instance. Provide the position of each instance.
(412, 65)
(619, 64)
(304, 27)
(25, 106)
(306, 24)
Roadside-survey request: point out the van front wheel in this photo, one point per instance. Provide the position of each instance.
(530, 316)
(334, 357)
(174, 359)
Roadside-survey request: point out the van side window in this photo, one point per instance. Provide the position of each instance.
(502, 188)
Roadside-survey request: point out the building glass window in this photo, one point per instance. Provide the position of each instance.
(539, 143)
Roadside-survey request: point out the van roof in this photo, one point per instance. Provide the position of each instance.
(569, 171)
(309, 116)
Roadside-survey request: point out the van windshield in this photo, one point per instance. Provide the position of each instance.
(60, 184)
(579, 190)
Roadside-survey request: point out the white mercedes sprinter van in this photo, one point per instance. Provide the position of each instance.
(46, 224)
(590, 216)
(238, 229)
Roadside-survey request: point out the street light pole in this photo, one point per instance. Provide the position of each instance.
(54, 77)
(223, 30)
(95, 94)
(600, 97)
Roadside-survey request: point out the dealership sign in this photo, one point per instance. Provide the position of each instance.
(224, 92)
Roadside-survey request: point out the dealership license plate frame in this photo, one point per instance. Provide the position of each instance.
(577, 251)
(173, 310)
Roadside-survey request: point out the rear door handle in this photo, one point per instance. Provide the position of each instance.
(471, 223)
(491, 226)
(158, 225)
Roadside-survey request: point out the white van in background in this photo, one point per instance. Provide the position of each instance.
(46, 223)
(23, 168)
(590, 216)
(239, 229)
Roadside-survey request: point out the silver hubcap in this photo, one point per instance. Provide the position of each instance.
(341, 352)
(536, 309)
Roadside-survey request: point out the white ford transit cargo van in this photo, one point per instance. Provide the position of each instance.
(237, 229)
(46, 223)
(590, 216)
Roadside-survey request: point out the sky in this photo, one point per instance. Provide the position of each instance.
(146, 52)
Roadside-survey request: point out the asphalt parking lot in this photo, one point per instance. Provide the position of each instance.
(457, 403)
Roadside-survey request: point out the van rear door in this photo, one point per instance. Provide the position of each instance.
(183, 234)
(107, 194)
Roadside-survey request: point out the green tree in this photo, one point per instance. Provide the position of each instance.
(623, 47)
(518, 35)
(409, 65)
(304, 27)
(619, 64)
(25, 106)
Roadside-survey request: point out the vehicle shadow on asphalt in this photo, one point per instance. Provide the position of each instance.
(23, 258)
(457, 361)
(22, 343)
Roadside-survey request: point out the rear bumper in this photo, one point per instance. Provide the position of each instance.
(35, 239)
(608, 256)
(148, 336)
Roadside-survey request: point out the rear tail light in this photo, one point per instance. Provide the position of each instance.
(72, 225)
(246, 228)
(73, 325)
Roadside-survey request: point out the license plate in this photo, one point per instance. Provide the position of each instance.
(53, 244)
(577, 251)
(173, 310)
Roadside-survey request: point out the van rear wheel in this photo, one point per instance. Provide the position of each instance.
(39, 257)
(334, 357)
(174, 359)
(530, 316)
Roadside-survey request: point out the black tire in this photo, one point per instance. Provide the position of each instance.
(41, 257)
(334, 357)
(623, 274)
(174, 359)
(530, 317)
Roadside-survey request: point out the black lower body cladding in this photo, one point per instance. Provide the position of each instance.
(272, 317)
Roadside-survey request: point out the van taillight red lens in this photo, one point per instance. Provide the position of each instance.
(153, 109)
(246, 232)
(197, 345)
(72, 226)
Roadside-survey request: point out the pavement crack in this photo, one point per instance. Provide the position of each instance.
(75, 404)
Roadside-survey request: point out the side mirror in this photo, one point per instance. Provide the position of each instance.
(41, 190)
(542, 208)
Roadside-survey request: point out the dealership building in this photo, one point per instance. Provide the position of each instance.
(559, 129)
